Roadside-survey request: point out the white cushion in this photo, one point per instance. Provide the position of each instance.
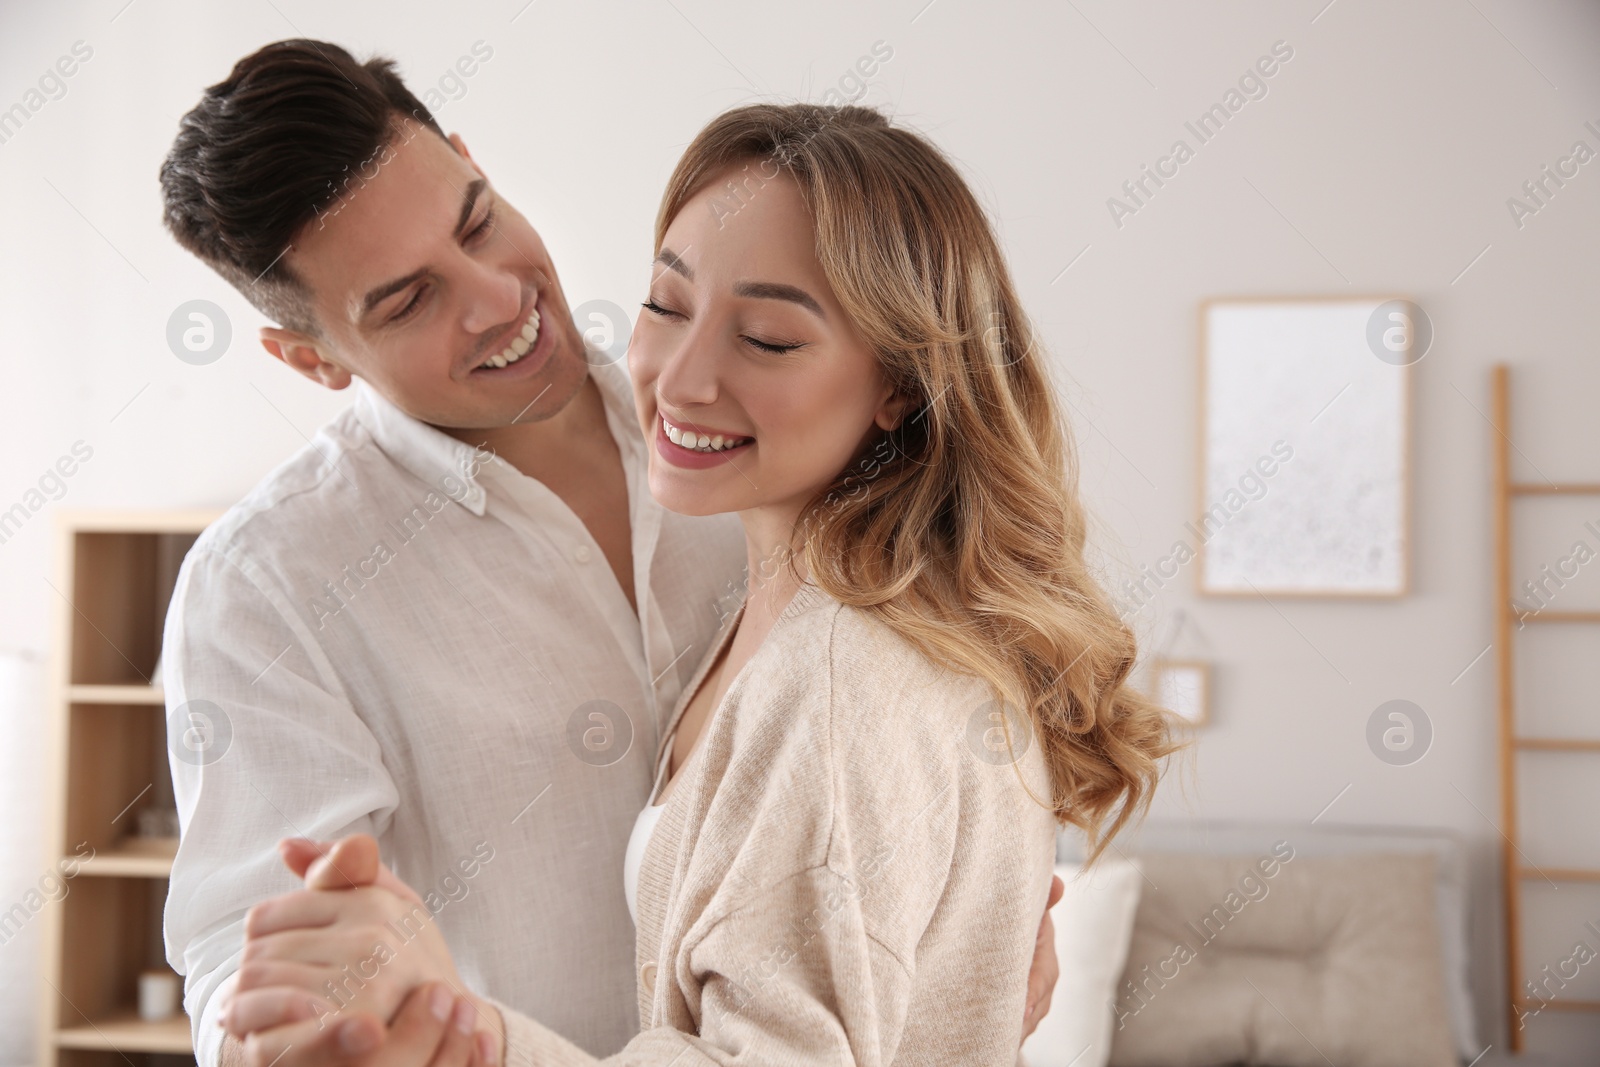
(1093, 921)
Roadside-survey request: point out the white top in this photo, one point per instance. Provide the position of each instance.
(392, 643)
(643, 827)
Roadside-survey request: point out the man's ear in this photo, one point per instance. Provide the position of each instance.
(461, 147)
(302, 353)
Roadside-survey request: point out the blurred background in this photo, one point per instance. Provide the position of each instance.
(1387, 154)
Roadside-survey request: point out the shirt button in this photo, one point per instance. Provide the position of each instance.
(582, 554)
(647, 977)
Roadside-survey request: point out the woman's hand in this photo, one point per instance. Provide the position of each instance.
(434, 1028)
(1046, 968)
(359, 940)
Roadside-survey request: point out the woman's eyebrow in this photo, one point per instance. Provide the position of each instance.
(669, 259)
(760, 290)
(778, 291)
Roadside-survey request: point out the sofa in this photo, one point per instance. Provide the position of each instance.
(1208, 944)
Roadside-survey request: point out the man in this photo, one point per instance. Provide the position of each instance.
(455, 619)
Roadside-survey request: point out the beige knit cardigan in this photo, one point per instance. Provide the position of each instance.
(849, 871)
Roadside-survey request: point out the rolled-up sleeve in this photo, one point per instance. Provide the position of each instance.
(263, 744)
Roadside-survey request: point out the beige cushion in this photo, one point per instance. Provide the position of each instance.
(1294, 962)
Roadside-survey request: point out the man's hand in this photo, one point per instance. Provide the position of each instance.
(357, 941)
(434, 1028)
(1046, 968)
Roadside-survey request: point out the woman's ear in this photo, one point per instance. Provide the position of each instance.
(302, 353)
(892, 410)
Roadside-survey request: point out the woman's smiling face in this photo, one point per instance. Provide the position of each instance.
(742, 340)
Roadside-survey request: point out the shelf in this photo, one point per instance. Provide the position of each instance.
(1559, 874)
(1539, 489)
(186, 522)
(115, 574)
(115, 694)
(126, 1032)
(1557, 616)
(1558, 744)
(132, 857)
(1559, 1004)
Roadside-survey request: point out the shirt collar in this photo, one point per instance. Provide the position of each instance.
(616, 388)
(439, 460)
(452, 467)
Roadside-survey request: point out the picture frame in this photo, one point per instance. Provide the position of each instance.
(1303, 484)
(1183, 688)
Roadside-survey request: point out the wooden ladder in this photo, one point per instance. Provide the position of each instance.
(1515, 869)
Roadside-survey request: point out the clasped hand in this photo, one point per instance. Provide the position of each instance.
(353, 970)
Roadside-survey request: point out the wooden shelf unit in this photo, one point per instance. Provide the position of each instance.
(1515, 869)
(114, 573)
(127, 1030)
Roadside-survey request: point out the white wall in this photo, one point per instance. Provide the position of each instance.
(1380, 160)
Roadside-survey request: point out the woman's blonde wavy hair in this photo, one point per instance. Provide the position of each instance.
(962, 530)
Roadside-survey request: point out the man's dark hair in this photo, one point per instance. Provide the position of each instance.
(270, 148)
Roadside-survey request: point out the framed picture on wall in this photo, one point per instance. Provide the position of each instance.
(1183, 687)
(1304, 443)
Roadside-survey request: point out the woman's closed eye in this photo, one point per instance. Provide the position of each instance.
(771, 347)
(776, 348)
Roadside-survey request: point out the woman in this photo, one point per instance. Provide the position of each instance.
(853, 827)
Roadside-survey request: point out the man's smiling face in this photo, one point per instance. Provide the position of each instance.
(437, 292)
